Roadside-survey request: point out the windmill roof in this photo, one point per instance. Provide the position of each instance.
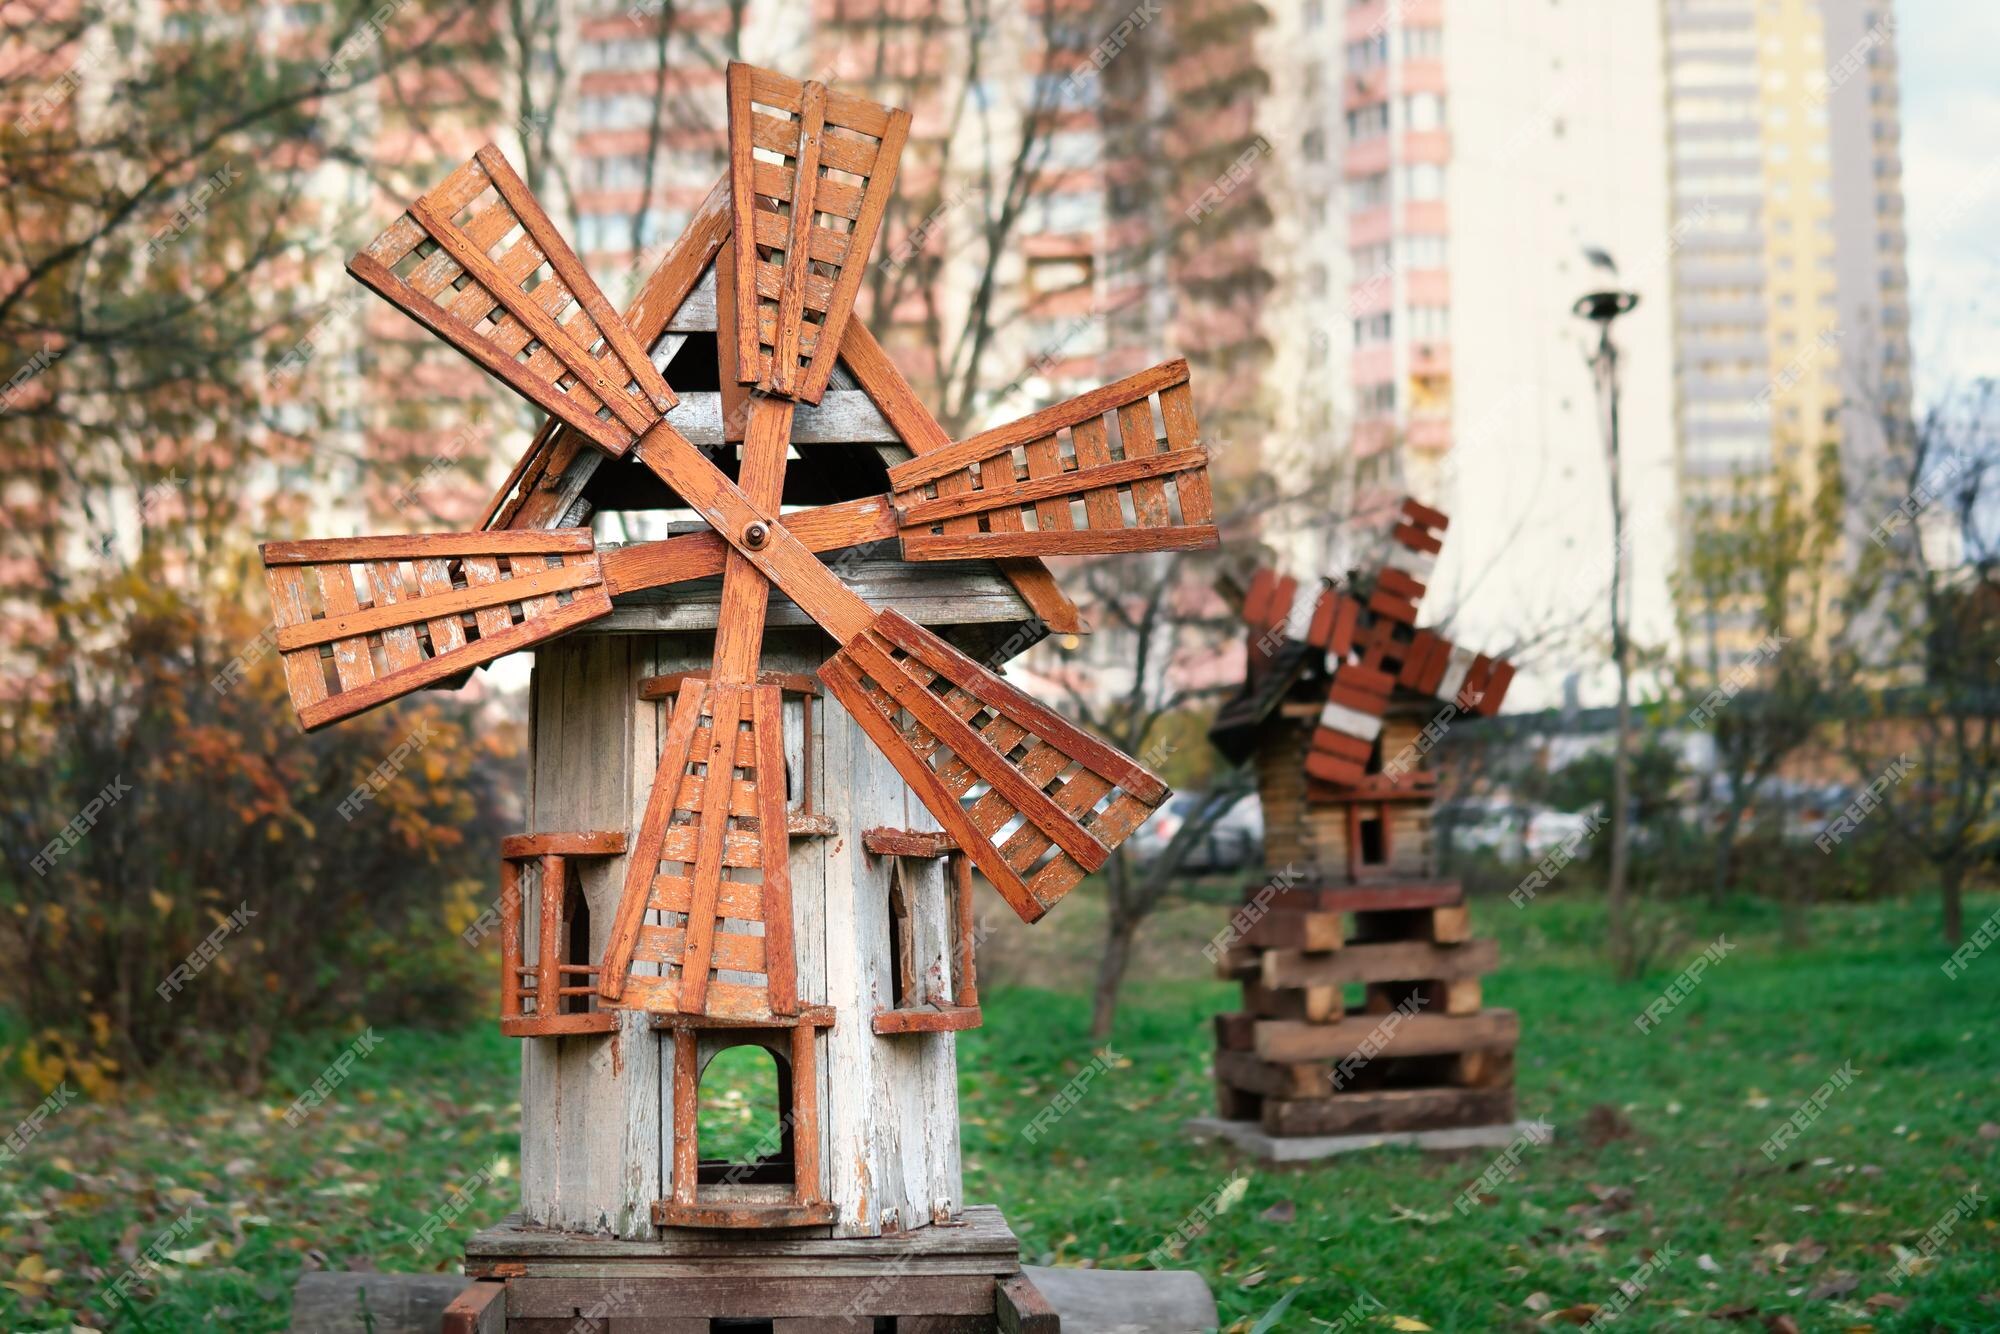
(868, 419)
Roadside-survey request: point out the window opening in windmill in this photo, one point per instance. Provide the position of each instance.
(744, 1126)
(1374, 835)
(576, 969)
(902, 942)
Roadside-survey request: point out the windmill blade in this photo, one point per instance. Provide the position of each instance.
(1034, 801)
(711, 849)
(763, 839)
(1054, 483)
(361, 621)
(810, 172)
(478, 263)
(890, 674)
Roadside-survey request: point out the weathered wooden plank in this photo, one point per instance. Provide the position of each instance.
(1286, 1041)
(1360, 1113)
(1386, 961)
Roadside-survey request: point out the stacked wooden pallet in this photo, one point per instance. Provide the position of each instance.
(1362, 1014)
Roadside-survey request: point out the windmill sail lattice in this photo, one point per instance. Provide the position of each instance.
(1034, 802)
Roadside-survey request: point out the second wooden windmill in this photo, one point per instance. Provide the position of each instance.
(769, 751)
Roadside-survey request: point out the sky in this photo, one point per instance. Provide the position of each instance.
(1951, 182)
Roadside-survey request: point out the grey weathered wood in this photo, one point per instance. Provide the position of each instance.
(940, 594)
(981, 1235)
(597, 1111)
(590, 1125)
(842, 416)
(1114, 1301)
(335, 1302)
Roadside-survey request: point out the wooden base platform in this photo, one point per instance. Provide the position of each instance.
(964, 1278)
(1363, 1015)
(1251, 1138)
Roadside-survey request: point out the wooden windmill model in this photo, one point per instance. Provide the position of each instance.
(740, 838)
(1362, 1013)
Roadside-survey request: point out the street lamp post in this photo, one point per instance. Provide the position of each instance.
(1602, 308)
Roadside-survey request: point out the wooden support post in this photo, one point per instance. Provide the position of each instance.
(548, 970)
(687, 1113)
(807, 1188)
(967, 992)
(510, 939)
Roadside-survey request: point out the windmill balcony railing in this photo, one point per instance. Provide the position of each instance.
(555, 993)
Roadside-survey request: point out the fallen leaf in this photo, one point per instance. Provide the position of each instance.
(1404, 1322)
(1781, 1324)
(1284, 1211)
(1572, 1315)
(1252, 1280)
(1886, 1301)
(1537, 1301)
(1989, 1130)
(193, 1255)
(1834, 1285)
(1706, 1263)
(1605, 1123)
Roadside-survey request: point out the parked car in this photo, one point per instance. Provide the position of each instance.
(1235, 842)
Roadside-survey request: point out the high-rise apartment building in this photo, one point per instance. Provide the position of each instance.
(1447, 164)
(1791, 297)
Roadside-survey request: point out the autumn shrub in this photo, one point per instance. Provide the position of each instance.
(188, 874)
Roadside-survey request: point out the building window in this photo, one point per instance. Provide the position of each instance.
(1423, 43)
(1423, 180)
(1370, 191)
(1423, 111)
(1428, 323)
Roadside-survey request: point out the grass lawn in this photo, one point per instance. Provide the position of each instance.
(1656, 1150)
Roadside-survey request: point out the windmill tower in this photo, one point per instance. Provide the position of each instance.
(1362, 1018)
(768, 751)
